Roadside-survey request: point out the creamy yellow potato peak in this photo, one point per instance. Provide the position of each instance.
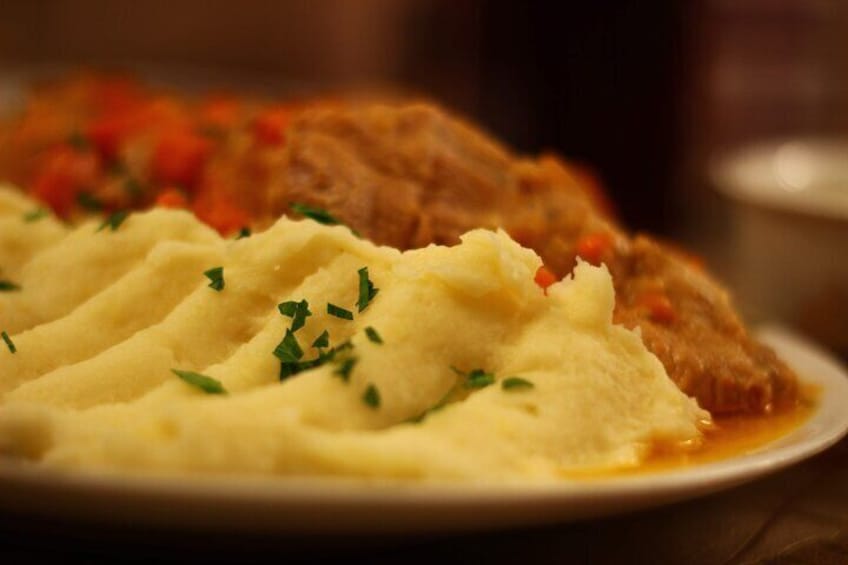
(468, 371)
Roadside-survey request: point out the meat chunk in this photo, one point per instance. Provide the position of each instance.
(411, 175)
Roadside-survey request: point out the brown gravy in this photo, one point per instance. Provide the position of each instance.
(724, 438)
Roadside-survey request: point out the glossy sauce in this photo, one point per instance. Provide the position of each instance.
(724, 438)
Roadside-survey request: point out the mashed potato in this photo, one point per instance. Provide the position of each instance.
(457, 366)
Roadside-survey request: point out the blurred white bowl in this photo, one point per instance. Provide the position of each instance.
(789, 216)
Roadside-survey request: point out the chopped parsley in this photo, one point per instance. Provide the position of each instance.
(318, 214)
(339, 312)
(8, 286)
(373, 336)
(297, 311)
(478, 378)
(371, 396)
(288, 350)
(35, 215)
(345, 367)
(114, 220)
(322, 340)
(90, 202)
(243, 233)
(367, 292)
(290, 359)
(516, 383)
(204, 383)
(475, 378)
(216, 278)
(8, 341)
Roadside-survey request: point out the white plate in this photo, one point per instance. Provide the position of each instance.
(351, 507)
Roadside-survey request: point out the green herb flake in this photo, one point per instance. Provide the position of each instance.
(114, 220)
(373, 336)
(292, 364)
(35, 215)
(216, 278)
(345, 367)
(476, 378)
(243, 233)
(288, 350)
(8, 286)
(287, 308)
(319, 215)
(204, 383)
(9, 342)
(322, 340)
(516, 383)
(371, 396)
(367, 292)
(298, 311)
(90, 202)
(339, 312)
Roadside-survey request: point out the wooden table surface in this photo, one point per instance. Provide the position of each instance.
(799, 515)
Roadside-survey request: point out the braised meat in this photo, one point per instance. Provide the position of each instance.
(404, 175)
(411, 175)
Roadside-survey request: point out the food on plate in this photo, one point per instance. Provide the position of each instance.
(401, 174)
(148, 341)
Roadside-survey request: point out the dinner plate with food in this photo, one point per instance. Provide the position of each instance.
(343, 316)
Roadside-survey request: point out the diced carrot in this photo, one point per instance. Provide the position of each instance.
(269, 127)
(659, 307)
(218, 211)
(107, 133)
(544, 278)
(219, 112)
(593, 247)
(179, 157)
(172, 198)
(64, 173)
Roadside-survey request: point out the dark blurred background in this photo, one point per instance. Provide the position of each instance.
(646, 94)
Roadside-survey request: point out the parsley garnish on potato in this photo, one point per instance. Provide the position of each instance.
(339, 312)
(114, 221)
(373, 336)
(516, 383)
(8, 286)
(8, 341)
(318, 214)
(367, 292)
(322, 340)
(216, 278)
(297, 311)
(475, 378)
(203, 382)
(35, 215)
(371, 396)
